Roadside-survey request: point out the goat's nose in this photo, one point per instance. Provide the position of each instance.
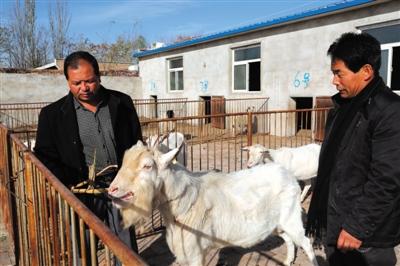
(112, 189)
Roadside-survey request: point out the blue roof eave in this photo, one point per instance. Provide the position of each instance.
(258, 26)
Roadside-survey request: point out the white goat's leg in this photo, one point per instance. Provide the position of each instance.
(305, 190)
(197, 261)
(302, 241)
(298, 237)
(306, 245)
(292, 225)
(289, 248)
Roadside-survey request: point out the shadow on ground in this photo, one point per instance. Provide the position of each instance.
(158, 254)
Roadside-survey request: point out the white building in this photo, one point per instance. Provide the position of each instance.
(283, 59)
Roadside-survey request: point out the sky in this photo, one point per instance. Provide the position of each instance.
(163, 20)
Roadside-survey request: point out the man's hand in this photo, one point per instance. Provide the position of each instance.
(347, 242)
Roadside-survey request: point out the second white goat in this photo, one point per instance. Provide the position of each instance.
(301, 161)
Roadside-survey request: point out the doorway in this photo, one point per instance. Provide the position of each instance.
(303, 119)
(155, 105)
(205, 108)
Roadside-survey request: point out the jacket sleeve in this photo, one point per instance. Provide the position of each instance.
(381, 191)
(137, 131)
(45, 148)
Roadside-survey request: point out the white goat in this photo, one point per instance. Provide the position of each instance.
(30, 143)
(168, 142)
(209, 209)
(301, 161)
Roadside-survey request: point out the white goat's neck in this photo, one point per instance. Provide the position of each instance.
(179, 192)
(269, 156)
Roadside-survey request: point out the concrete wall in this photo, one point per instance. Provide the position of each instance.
(48, 87)
(293, 59)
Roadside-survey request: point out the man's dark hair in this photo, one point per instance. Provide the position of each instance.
(72, 61)
(357, 50)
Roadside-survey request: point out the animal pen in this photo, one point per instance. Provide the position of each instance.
(46, 220)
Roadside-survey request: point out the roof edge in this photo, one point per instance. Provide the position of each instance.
(325, 10)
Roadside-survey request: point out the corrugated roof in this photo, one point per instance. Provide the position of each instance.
(258, 26)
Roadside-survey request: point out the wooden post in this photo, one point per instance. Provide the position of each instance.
(249, 128)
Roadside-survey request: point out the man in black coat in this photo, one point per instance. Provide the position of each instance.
(356, 200)
(90, 123)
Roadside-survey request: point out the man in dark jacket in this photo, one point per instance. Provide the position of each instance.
(356, 200)
(90, 123)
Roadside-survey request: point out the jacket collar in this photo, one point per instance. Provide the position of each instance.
(69, 114)
(113, 103)
(369, 90)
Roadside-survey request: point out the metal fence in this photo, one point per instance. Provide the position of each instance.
(21, 115)
(149, 110)
(216, 142)
(26, 114)
(48, 224)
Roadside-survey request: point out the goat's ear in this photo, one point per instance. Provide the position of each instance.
(245, 148)
(165, 159)
(139, 143)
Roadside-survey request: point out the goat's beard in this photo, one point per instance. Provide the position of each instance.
(141, 207)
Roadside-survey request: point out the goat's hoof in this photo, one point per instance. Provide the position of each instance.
(287, 263)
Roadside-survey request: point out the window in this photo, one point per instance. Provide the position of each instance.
(175, 74)
(390, 67)
(246, 68)
(389, 38)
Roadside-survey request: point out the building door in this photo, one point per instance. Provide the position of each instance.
(205, 107)
(155, 105)
(218, 107)
(303, 118)
(320, 117)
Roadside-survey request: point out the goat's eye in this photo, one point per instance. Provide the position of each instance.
(147, 166)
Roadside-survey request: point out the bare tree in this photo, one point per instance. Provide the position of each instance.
(122, 49)
(5, 32)
(59, 19)
(27, 45)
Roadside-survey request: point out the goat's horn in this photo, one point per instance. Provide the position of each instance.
(163, 137)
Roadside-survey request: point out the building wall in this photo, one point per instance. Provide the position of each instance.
(47, 87)
(293, 59)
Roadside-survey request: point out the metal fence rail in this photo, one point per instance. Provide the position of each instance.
(50, 223)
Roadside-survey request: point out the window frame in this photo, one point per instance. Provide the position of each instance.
(389, 48)
(178, 69)
(246, 63)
